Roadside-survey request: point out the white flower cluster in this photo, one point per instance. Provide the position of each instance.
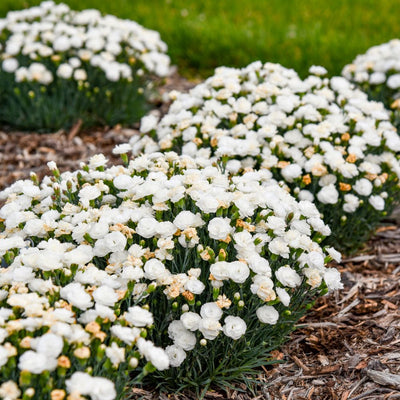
(320, 136)
(378, 73)
(50, 39)
(86, 251)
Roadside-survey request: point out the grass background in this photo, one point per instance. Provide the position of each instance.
(204, 34)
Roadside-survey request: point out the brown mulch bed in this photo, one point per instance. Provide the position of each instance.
(346, 348)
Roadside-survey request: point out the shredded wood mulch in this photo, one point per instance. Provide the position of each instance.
(346, 348)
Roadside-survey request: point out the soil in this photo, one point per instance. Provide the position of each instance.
(346, 348)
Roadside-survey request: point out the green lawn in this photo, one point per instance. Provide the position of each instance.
(203, 34)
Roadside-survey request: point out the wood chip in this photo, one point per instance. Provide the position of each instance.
(384, 378)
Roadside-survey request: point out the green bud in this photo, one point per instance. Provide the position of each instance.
(25, 378)
(125, 159)
(143, 333)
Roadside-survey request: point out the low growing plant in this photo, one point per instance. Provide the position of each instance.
(58, 66)
(320, 137)
(377, 73)
(115, 272)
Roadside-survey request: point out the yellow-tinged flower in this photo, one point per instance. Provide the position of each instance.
(306, 179)
(64, 362)
(189, 296)
(351, 158)
(395, 104)
(283, 164)
(223, 301)
(25, 343)
(57, 394)
(344, 187)
(93, 327)
(82, 352)
(345, 137)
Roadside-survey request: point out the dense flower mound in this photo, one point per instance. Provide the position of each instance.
(59, 65)
(319, 136)
(166, 260)
(377, 72)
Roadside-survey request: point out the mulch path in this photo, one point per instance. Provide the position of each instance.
(346, 348)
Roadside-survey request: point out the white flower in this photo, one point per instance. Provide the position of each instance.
(88, 193)
(210, 310)
(126, 334)
(36, 363)
(377, 202)
(334, 254)
(351, 203)
(191, 320)
(393, 81)
(154, 269)
(176, 355)
(48, 344)
(158, 357)
(291, 172)
(363, 187)
(283, 295)
(80, 382)
(210, 328)
(3, 356)
(80, 74)
(115, 354)
(220, 270)
(102, 389)
(328, 195)
(186, 219)
(267, 315)
(10, 65)
(64, 71)
(9, 391)
(238, 271)
(112, 242)
(315, 259)
(317, 70)
(195, 286)
(259, 265)
(288, 276)
(219, 228)
(148, 123)
(75, 294)
(263, 287)
(147, 227)
(105, 295)
(332, 279)
(234, 327)
(138, 316)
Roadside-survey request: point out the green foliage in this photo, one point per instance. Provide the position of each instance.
(96, 102)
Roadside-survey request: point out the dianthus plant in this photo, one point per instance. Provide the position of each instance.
(319, 136)
(213, 270)
(58, 66)
(377, 72)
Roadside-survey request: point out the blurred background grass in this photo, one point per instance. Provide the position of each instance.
(202, 35)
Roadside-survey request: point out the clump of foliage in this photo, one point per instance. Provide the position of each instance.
(58, 66)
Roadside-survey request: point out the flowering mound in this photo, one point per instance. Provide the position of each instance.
(213, 271)
(377, 72)
(319, 136)
(58, 66)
